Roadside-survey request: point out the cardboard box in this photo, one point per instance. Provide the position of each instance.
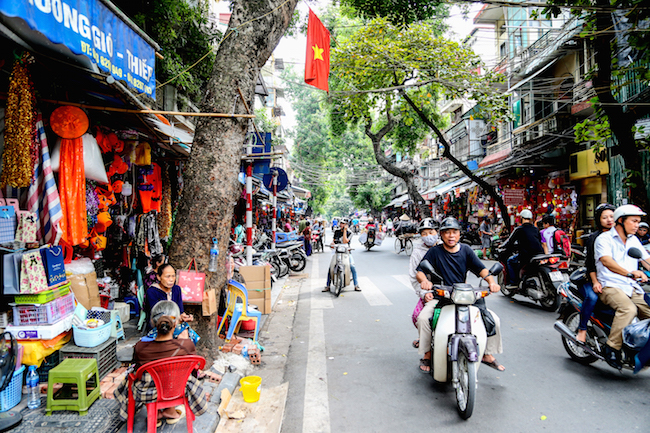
(263, 304)
(256, 277)
(85, 289)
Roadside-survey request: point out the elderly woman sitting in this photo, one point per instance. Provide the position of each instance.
(165, 316)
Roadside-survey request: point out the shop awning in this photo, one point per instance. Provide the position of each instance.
(494, 158)
(397, 202)
(301, 192)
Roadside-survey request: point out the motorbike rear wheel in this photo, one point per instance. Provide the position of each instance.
(466, 389)
(552, 301)
(576, 352)
(408, 248)
(297, 262)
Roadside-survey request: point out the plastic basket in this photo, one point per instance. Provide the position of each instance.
(105, 354)
(44, 313)
(12, 394)
(92, 337)
(44, 297)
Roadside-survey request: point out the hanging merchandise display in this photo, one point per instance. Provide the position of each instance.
(165, 214)
(20, 118)
(72, 187)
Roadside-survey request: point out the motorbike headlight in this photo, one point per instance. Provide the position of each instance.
(341, 249)
(463, 297)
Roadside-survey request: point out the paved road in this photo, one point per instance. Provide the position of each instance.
(351, 367)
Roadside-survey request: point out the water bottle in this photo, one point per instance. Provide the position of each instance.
(33, 390)
(214, 253)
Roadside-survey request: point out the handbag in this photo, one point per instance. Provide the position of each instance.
(11, 273)
(417, 310)
(54, 258)
(32, 273)
(7, 224)
(192, 283)
(27, 227)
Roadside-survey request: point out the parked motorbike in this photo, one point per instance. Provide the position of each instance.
(539, 280)
(293, 255)
(459, 337)
(340, 272)
(598, 326)
(470, 236)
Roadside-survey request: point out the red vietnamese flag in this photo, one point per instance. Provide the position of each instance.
(317, 60)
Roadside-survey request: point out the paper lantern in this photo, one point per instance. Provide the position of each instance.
(69, 122)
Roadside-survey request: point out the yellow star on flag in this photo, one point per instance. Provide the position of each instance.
(318, 52)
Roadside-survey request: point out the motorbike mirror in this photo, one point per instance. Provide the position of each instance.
(634, 253)
(426, 266)
(496, 269)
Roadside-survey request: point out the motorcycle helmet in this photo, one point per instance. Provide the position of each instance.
(627, 210)
(644, 224)
(449, 223)
(527, 214)
(427, 223)
(599, 211)
(344, 221)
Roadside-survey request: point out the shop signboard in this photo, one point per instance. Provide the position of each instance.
(513, 196)
(88, 27)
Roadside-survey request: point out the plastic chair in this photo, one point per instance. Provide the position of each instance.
(170, 377)
(236, 310)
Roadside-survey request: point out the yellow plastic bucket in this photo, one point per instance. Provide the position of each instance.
(250, 388)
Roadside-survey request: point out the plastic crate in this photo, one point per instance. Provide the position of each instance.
(42, 314)
(12, 394)
(44, 297)
(105, 354)
(92, 337)
(48, 364)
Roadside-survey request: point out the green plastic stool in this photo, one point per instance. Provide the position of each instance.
(75, 371)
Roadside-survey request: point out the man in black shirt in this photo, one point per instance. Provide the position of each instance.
(342, 235)
(452, 260)
(529, 244)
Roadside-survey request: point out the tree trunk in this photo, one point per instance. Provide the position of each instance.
(405, 175)
(447, 154)
(211, 187)
(621, 122)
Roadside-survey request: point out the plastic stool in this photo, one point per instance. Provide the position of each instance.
(75, 371)
(118, 329)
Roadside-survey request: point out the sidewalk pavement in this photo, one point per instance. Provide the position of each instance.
(275, 335)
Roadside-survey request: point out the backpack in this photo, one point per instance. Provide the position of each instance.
(561, 243)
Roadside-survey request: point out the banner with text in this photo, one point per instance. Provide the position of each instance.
(88, 27)
(513, 197)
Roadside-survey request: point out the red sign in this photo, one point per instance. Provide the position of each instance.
(513, 197)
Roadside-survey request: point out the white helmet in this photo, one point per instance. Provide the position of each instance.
(627, 210)
(527, 214)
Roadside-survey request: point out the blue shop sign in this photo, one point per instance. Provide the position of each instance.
(87, 27)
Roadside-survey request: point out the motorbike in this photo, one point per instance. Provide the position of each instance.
(369, 238)
(598, 326)
(293, 255)
(317, 241)
(470, 236)
(459, 337)
(539, 280)
(340, 272)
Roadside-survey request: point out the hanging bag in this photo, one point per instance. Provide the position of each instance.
(7, 224)
(32, 273)
(27, 227)
(11, 273)
(54, 258)
(192, 283)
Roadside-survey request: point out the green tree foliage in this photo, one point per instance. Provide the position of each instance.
(399, 12)
(619, 32)
(371, 195)
(185, 37)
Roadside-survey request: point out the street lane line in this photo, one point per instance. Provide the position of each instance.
(316, 409)
(404, 280)
(373, 295)
(319, 299)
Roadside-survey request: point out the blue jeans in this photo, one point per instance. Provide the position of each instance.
(353, 270)
(588, 304)
(513, 269)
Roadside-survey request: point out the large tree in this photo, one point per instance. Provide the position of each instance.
(390, 77)
(211, 187)
(619, 32)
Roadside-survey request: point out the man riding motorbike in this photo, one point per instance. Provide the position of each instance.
(617, 273)
(529, 244)
(343, 236)
(452, 260)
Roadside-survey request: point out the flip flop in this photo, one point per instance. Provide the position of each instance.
(494, 364)
(172, 421)
(424, 363)
(416, 344)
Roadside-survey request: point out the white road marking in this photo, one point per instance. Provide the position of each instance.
(371, 292)
(405, 280)
(316, 410)
(319, 299)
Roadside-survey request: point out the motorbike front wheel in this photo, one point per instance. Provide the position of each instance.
(297, 262)
(575, 351)
(466, 389)
(338, 282)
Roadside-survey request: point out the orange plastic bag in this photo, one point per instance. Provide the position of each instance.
(72, 190)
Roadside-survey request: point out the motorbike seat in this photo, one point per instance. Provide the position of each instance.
(540, 257)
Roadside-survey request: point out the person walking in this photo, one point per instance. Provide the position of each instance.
(485, 230)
